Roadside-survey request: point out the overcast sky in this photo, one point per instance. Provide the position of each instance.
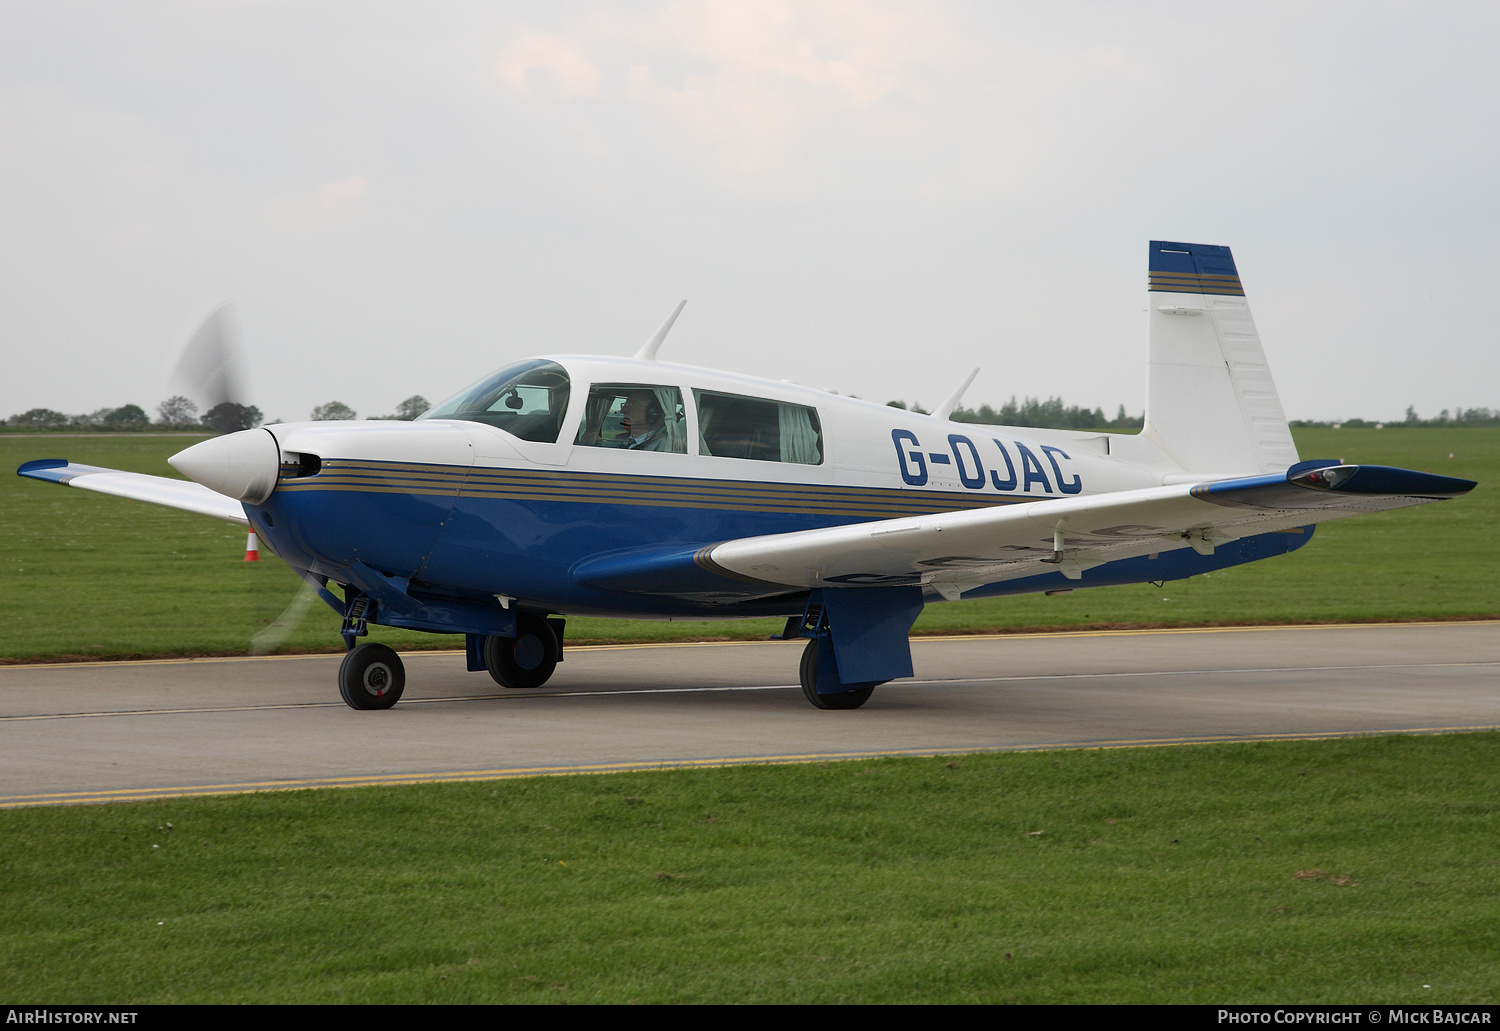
(872, 197)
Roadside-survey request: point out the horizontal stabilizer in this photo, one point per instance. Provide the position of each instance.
(1367, 488)
(157, 490)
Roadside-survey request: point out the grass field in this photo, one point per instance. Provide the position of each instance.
(90, 576)
(1358, 870)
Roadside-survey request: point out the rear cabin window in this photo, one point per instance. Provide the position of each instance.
(735, 426)
(528, 399)
(634, 417)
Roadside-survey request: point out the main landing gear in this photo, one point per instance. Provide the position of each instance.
(526, 660)
(858, 639)
(843, 699)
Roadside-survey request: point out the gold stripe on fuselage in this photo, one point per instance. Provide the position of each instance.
(649, 491)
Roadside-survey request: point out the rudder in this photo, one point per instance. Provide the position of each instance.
(1211, 404)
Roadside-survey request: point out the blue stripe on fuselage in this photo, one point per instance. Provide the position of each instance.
(539, 550)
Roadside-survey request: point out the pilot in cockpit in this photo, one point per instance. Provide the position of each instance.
(645, 423)
(633, 417)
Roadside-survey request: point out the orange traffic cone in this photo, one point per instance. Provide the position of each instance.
(252, 548)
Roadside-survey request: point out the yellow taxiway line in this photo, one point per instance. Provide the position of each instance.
(446, 777)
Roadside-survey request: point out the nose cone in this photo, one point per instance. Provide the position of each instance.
(242, 465)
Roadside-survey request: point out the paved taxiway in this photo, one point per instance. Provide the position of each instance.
(79, 733)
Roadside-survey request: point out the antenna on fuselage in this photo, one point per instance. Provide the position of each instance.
(946, 408)
(653, 345)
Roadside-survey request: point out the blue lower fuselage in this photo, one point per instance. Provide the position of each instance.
(469, 535)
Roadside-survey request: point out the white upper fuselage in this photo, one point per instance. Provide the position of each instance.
(864, 444)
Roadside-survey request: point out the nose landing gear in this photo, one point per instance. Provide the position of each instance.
(372, 677)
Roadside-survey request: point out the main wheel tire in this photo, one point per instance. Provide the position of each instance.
(526, 660)
(843, 700)
(372, 677)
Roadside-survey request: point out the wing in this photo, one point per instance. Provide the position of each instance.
(158, 490)
(953, 552)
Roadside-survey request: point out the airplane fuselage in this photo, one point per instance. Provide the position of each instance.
(463, 508)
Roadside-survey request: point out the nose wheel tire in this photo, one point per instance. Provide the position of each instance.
(843, 700)
(526, 660)
(372, 677)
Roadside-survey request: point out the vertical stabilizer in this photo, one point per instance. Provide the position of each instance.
(1210, 402)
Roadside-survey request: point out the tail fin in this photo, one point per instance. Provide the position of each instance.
(1210, 402)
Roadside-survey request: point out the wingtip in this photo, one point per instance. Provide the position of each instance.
(38, 464)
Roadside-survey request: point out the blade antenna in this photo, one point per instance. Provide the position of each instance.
(648, 352)
(946, 408)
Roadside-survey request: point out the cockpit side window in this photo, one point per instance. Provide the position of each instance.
(735, 426)
(634, 417)
(528, 399)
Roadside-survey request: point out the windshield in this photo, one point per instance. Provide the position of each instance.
(527, 399)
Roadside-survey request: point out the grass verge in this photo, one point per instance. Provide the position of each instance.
(1339, 871)
(87, 576)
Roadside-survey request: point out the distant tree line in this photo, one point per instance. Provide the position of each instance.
(1451, 419)
(1049, 414)
(173, 414)
(337, 411)
(1053, 414)
(179, 413)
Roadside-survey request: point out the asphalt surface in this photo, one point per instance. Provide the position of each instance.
(114, 731)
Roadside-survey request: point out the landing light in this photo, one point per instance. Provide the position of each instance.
(1327, 478)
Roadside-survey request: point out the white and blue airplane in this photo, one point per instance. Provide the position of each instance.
(587, 485)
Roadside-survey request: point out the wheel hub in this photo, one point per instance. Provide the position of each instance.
(378, 679)
(529, 652)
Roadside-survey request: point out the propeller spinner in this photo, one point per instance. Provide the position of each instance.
(243, 464)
